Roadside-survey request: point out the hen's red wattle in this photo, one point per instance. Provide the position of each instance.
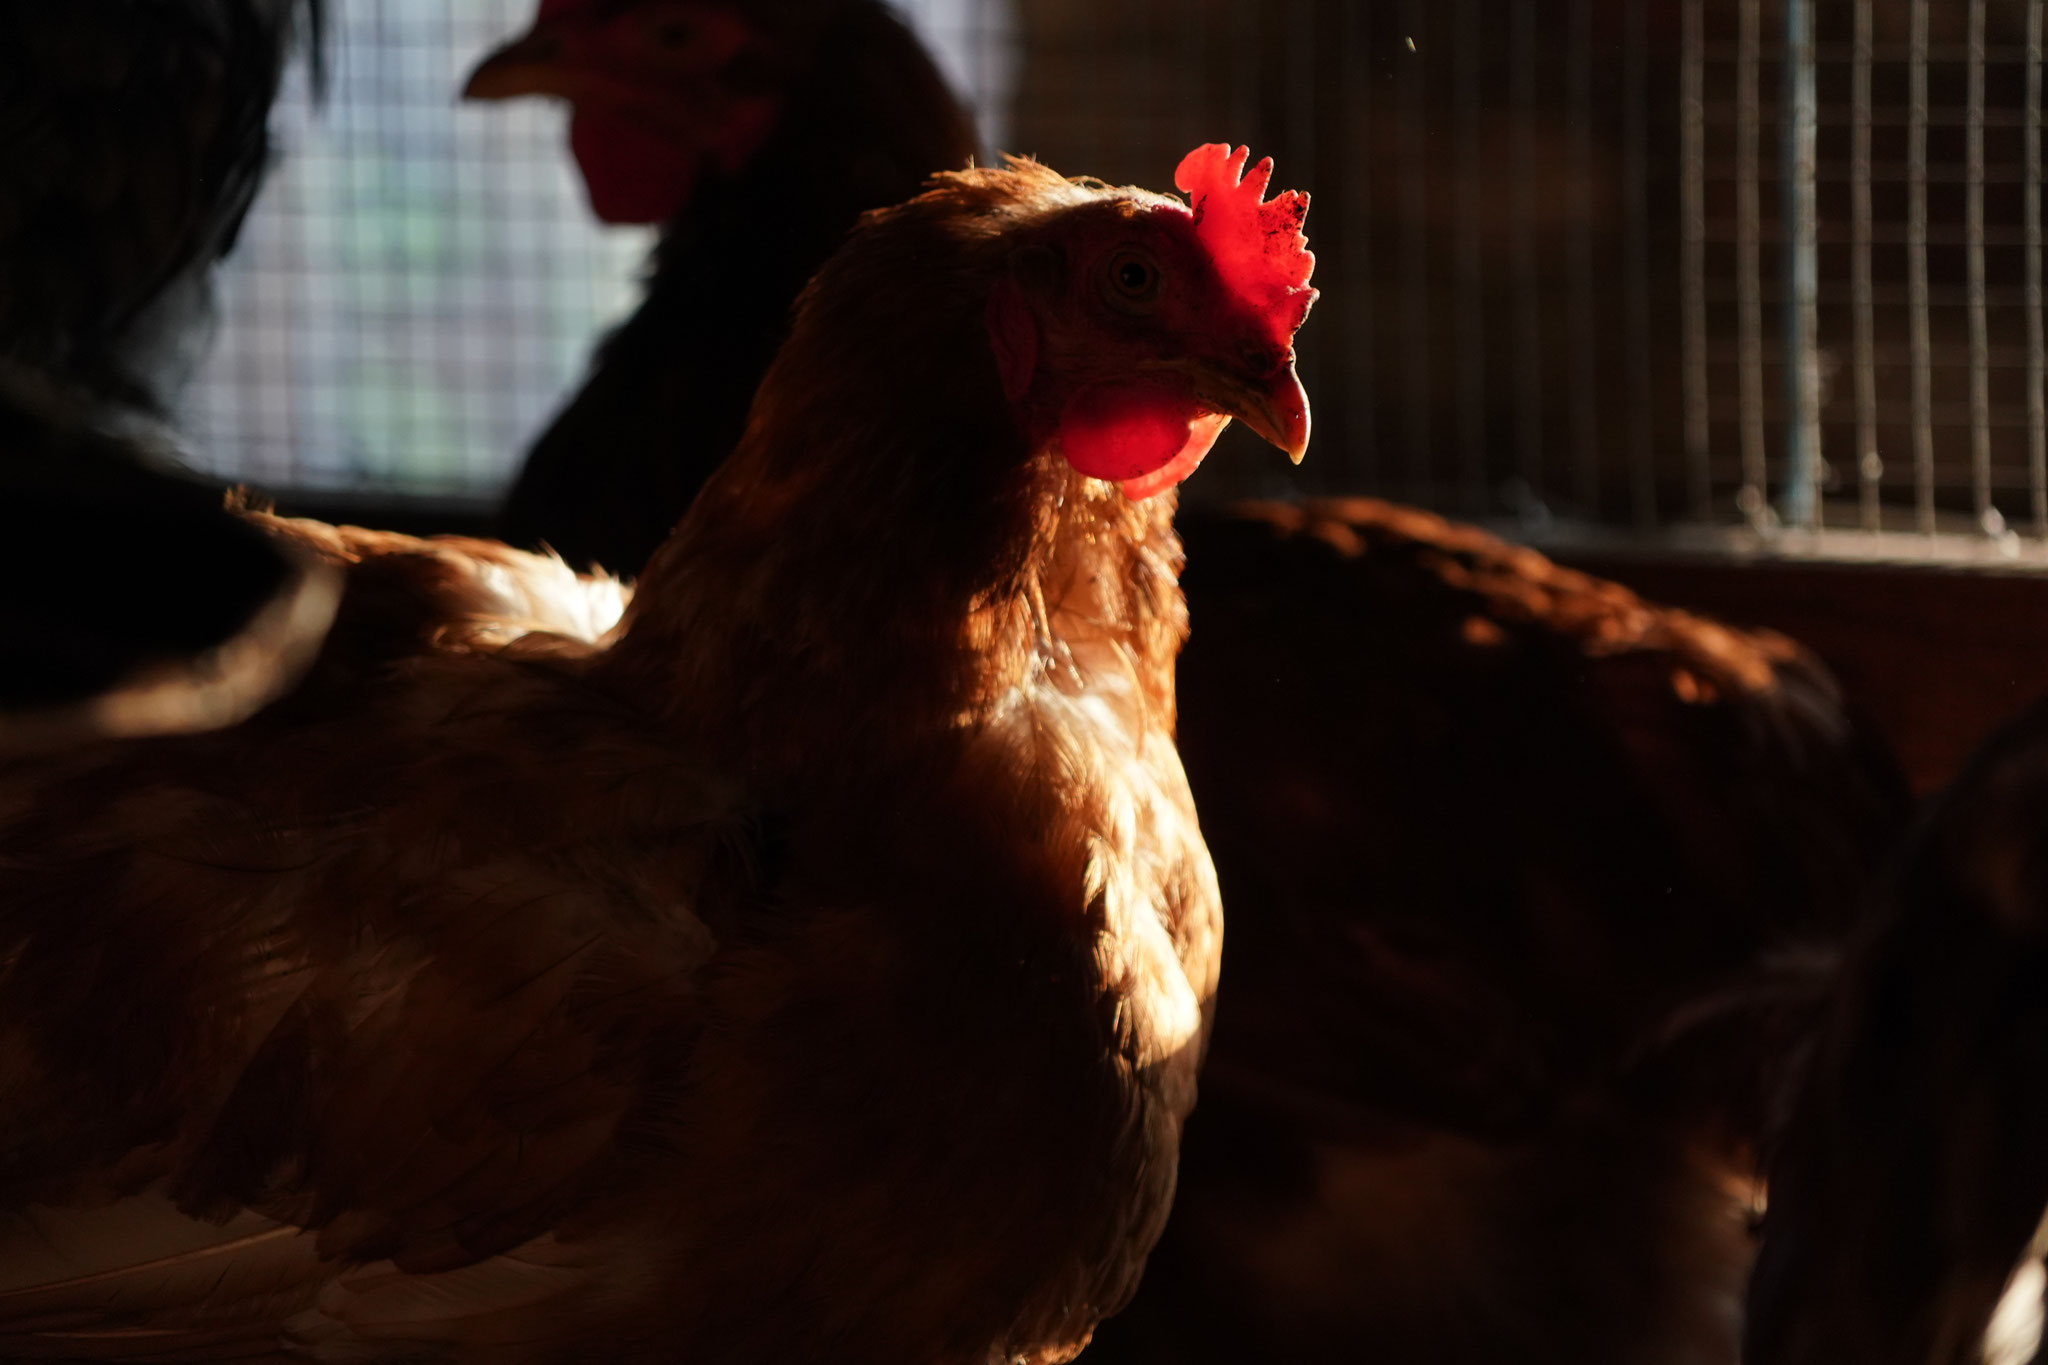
(634, 172)
(1146, 436)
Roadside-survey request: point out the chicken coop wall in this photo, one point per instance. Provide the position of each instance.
(1653, 265)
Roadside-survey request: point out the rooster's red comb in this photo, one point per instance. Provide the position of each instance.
(1257, 243)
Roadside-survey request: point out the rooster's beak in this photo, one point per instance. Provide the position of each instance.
(537, 63)
(1273, 404)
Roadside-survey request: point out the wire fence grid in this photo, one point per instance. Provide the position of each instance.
(1653, 265)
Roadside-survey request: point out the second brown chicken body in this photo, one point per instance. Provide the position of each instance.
(1536, 889)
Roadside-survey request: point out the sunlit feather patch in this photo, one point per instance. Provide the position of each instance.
(1257, 243)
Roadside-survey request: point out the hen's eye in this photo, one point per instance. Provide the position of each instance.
(1134, 277)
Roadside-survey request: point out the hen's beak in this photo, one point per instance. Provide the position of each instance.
(1273, 404)
(540, 62)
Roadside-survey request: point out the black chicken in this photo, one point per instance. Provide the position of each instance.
(757, 132)
(133, 137)
(138, 603)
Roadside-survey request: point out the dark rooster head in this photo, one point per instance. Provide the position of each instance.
(1130, 328)
(660, 90)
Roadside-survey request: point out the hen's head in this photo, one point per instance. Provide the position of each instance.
(1129, 328)
(659, 90)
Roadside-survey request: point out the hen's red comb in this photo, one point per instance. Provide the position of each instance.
(1257, 243)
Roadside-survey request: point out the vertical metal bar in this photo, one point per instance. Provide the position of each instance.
(1980, 346)
(1124, 81)
(1692, 116)
(1636, 266)
(998, 37)
(1752, 499)
(1869, 466)
(1415, 257)
(1300, 37)
(1089, 74)
(1362, 452)
(1798, 121)
(1522, 213)
(1584, 390)
(2037, 402)
(1192, 77)
(1471, 304)
(1916, 271)
(1247, 58)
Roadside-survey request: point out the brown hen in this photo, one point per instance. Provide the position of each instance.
(815, 971)
(1534, 889)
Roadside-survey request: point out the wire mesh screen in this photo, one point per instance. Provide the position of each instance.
(421, 283)
(420, 279)
(1644, 263)
(1862, 263)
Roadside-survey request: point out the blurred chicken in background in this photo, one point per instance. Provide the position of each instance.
(755, 131)
(1534, 887)
(1907, 1196)
(133, 138)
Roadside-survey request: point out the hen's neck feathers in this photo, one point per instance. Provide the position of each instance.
(967, 564)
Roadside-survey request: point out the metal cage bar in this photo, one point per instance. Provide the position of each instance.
(1360, 352)
(1582, 345)
(2037, 402)
(1869, 464)
(1636, 267)
(1988, 519)
(1693, 257)
(1299, 122)
(1797, 210)
(1752, 499)
(1916, 274)
(1420, 434)
(1528, 300)
(1470, 306)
